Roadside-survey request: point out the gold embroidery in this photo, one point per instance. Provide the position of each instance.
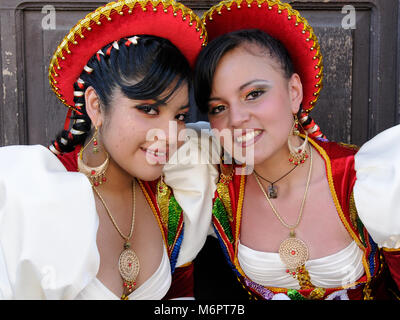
(163, 195)
(154, 210)
(303, 278)
(317, 294)
(353, 211)
(349, 146)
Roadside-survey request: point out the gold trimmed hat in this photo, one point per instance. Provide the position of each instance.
(283, 23)
(124, 18)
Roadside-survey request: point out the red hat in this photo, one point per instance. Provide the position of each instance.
(166, 19)
(283, 23)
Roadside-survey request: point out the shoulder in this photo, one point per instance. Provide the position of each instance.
(22, 155)
(192, 176)
(377, 188)
(336, 150)
(48, 222)
(69, 160)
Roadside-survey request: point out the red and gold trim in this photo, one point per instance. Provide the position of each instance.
(280, 21)
(115, 20)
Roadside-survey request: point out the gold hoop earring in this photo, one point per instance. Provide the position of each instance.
(96, 175)
(298, 155)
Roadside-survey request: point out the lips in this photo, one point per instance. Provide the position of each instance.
(155, 155)
(249, 137)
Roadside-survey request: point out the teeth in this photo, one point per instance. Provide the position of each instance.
(162, 154)
(248, 136)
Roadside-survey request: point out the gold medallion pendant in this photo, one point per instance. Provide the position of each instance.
(128, 266)
(293, 253)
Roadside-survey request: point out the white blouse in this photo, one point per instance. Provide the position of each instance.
(336, 270)
(48, 225)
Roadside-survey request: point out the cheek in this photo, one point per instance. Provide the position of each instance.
(123, 135)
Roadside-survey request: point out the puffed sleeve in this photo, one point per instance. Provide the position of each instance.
(377, 188)
(48, 226)
(377, 194)
(192, 175)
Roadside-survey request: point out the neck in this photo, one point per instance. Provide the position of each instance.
(278, 165)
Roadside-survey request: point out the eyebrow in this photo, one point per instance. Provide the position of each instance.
(162, 103)
(251, 82)
(185, 106)
(244, 86)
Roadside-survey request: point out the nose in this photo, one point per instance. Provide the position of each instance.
(238, 116)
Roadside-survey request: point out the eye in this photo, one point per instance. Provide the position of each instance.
(182, 116)
(148, 109)
(254, 94)
(217, 109)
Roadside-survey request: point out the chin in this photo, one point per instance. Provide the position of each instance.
(149, 172)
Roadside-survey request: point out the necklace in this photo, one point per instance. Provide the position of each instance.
(272, 190)
(128, 263)
(292, 251)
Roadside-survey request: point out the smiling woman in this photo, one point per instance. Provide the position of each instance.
(97, 221)
(288, 227)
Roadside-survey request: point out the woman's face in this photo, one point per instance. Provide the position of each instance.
(125, 129)
(249, 91)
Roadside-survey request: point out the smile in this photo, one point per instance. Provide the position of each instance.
(158, 154)
(243, 139)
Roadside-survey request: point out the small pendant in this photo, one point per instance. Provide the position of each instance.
(129, 266)
(272, 192)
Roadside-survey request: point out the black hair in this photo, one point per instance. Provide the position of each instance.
(142, 68)
(210, 56)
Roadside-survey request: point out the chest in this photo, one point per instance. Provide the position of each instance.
(146, 241)
(318, 225)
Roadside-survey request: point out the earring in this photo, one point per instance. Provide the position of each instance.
(95, 148)
(96, 175)
(298, 154)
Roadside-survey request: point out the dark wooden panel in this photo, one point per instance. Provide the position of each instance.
(10, 91)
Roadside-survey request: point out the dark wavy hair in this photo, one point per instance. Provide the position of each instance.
(142, 70)
(210, 56)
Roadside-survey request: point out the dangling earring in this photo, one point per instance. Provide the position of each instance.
(96, 175)
(95, 148)
(299, 154)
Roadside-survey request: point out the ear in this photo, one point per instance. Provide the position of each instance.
(93, 107)
(295, 92)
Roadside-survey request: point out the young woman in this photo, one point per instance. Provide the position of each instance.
(96, 221)
(290, 228)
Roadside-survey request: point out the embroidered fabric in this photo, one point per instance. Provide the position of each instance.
(339, 269)
(154, 288)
